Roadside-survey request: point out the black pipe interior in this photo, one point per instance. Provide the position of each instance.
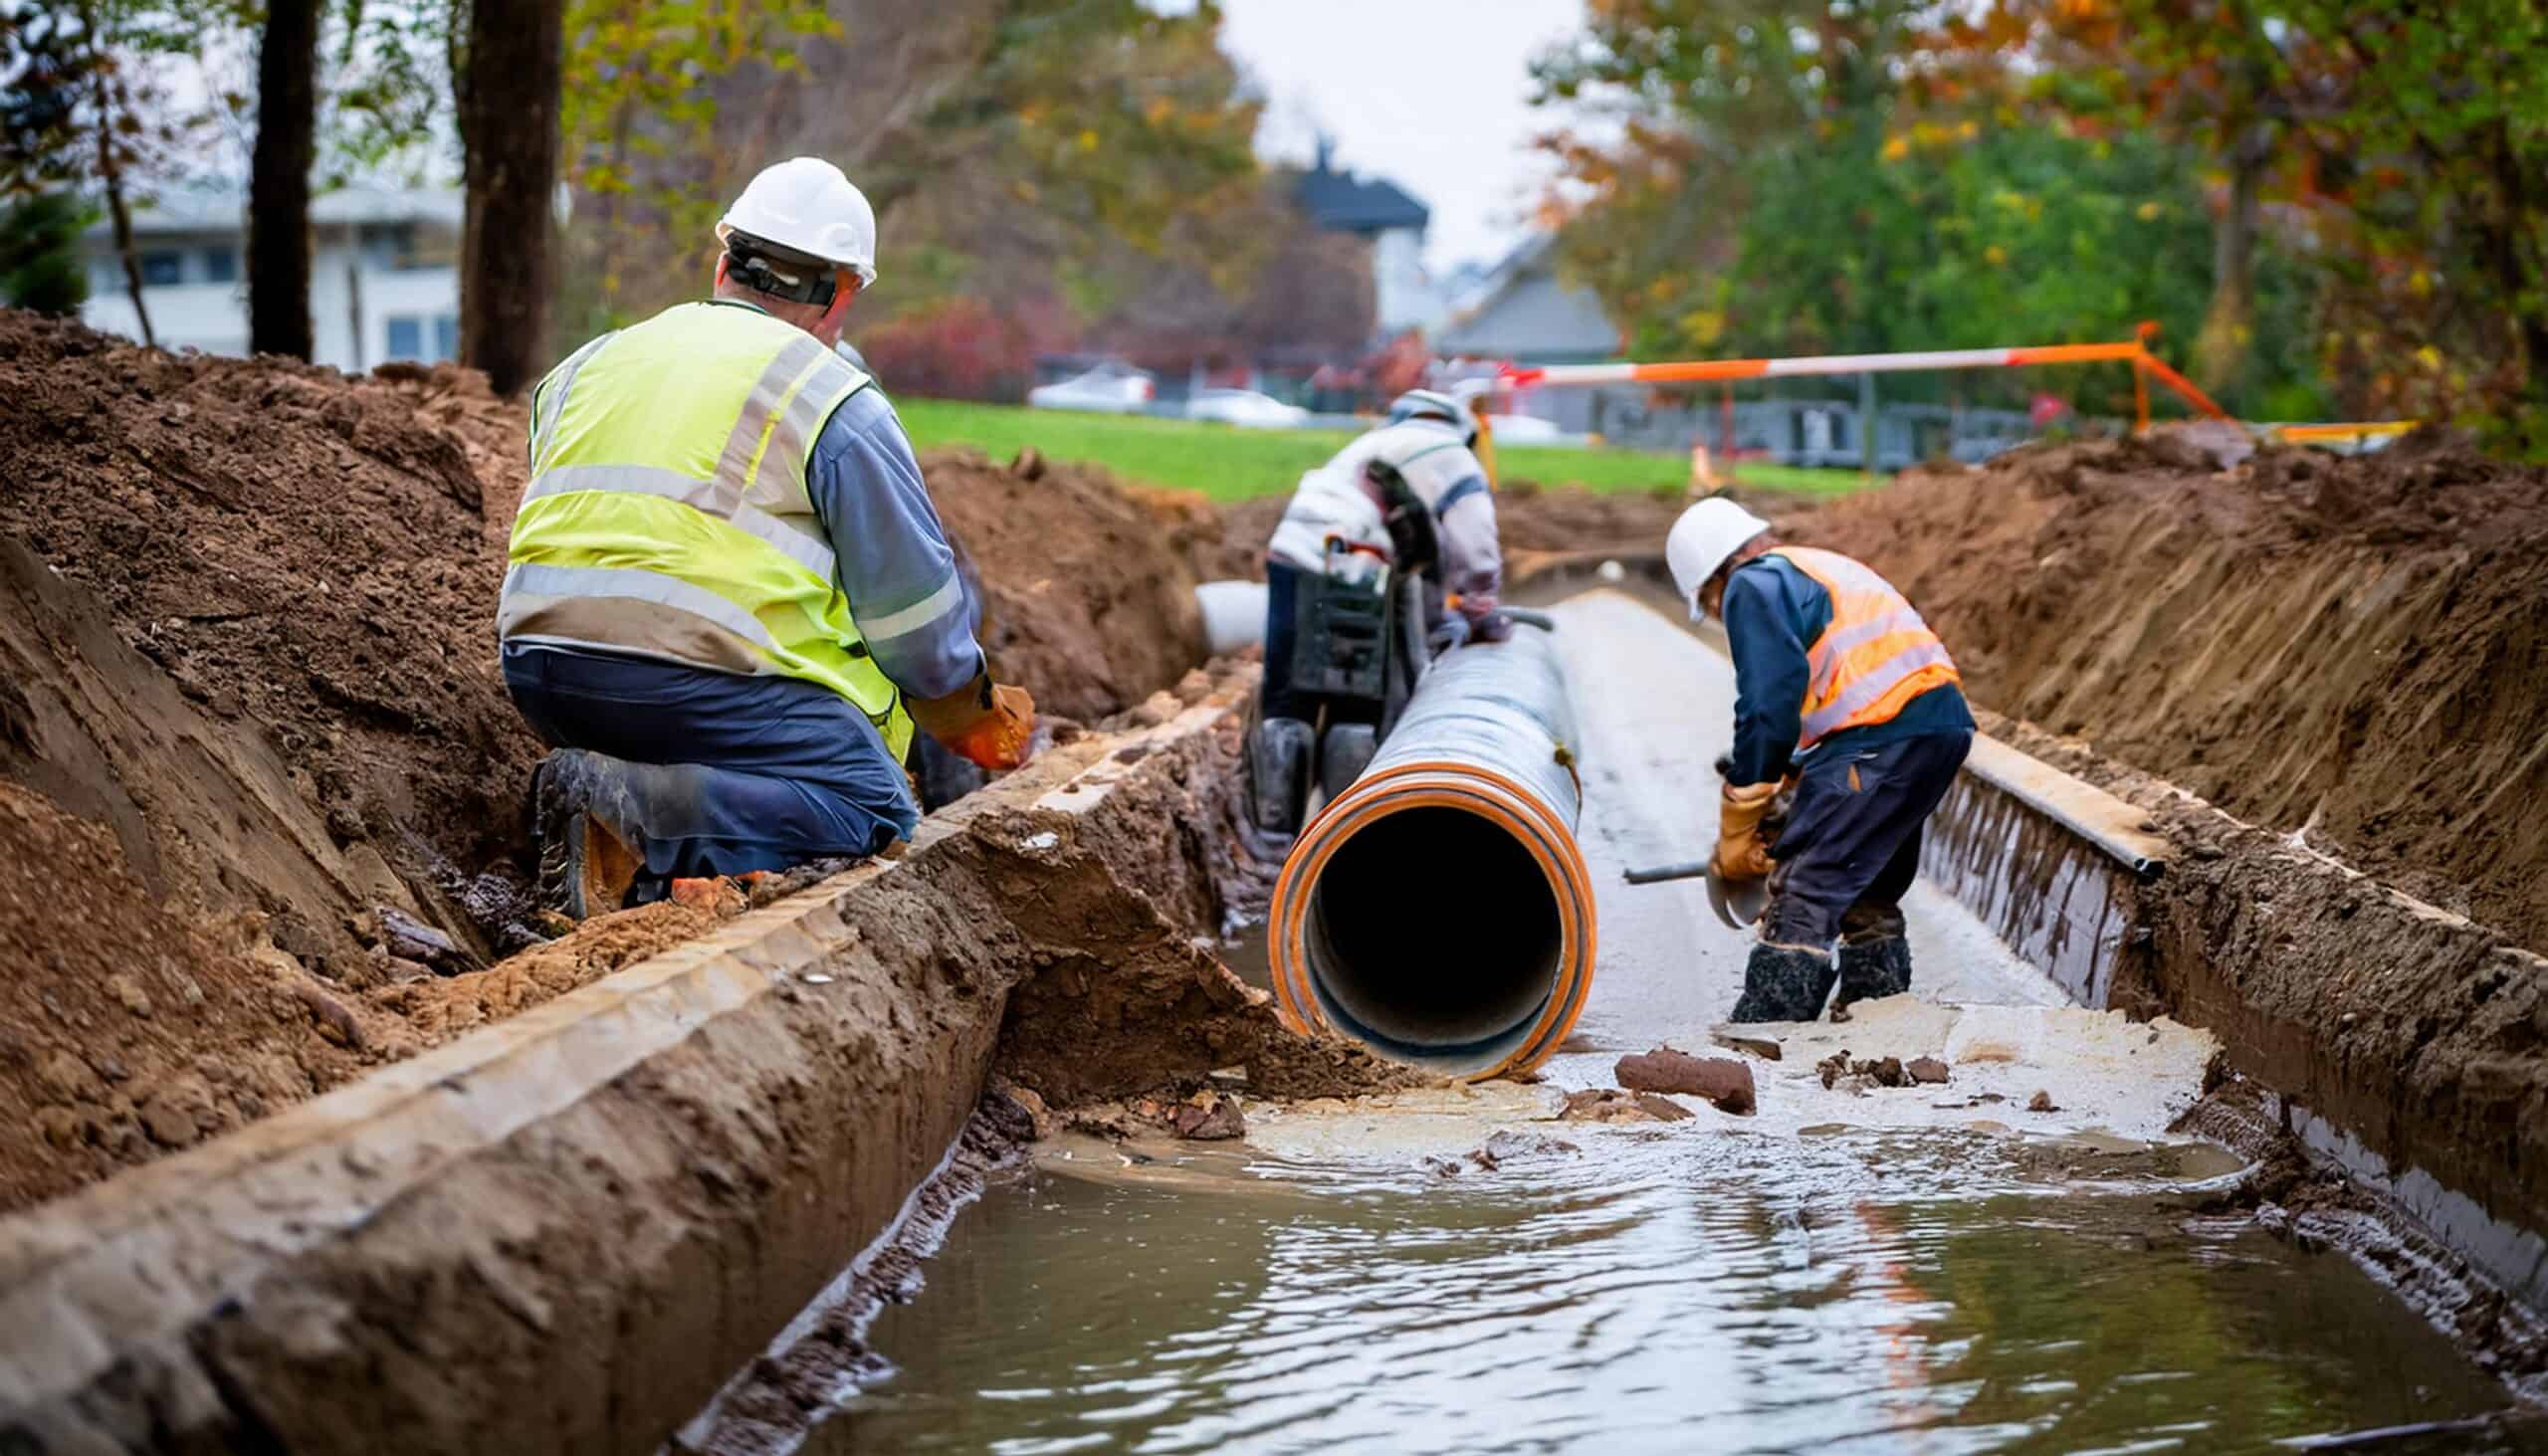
(1433, 931)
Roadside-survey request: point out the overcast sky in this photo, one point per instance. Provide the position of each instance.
(1433, 94)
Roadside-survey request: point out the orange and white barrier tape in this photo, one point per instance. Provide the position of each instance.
(1700, 371)
(2367, 430)
(1710, 370)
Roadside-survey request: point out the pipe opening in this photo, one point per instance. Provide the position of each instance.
(1433, 933)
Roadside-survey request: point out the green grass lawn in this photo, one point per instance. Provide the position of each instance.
(1232, 463)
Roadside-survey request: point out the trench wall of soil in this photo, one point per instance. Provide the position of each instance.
(2414, 1034)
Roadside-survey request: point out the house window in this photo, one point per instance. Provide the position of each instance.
(221, 264)
(406, 336)
(161, 268)
(410, 334)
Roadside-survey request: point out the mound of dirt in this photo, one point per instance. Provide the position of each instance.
(1083, 603)
(2352, 648)
(263, 651)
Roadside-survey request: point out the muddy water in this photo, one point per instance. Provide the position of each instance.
(1932, 1295)
(1933, 1269)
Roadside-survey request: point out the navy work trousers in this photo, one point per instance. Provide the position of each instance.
(728, 773)
(1850, 847)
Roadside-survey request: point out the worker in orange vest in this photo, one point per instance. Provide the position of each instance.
(1843, 691)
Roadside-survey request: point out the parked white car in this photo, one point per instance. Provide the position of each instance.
(1113, 387)
(1525, 430)
(1245, 407)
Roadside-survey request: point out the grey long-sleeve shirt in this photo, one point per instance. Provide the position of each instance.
(892, 558)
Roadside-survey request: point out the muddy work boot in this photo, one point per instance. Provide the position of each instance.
(587, 867)
(1784, 983)
(1278, 773)
(1872, 971)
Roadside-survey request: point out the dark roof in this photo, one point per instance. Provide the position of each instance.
(1344, 203)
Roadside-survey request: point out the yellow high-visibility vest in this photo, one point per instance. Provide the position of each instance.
(668, 514)
(1874, 657)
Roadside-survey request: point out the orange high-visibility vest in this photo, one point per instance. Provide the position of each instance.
(1876, 655)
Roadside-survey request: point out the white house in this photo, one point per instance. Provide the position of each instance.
(1404, 297)
(385, 281)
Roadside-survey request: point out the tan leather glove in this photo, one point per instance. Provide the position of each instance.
(1739, 854)
(985, 724)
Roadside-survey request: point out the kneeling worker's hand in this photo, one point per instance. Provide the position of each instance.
(1739, 853)
(986, 724)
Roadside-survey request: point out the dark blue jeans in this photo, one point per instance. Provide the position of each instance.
(728, 774)
(1852, 845)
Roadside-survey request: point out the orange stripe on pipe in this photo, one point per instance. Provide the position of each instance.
(1469, 788)
(1459, 786)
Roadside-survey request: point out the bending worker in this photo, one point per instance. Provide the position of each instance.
(1407, 503)
(729, 598)
(1843, 688)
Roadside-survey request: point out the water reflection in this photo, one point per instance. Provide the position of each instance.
(1841, 1300)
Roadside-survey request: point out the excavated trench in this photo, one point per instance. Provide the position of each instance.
(296, 1166)
(2081, 1237)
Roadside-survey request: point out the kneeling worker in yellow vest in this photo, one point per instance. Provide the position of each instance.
(1843, 691)
(729, 598)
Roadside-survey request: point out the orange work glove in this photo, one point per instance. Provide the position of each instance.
(985, 724)
(1739, 854)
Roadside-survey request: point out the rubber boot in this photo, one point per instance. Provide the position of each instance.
(1784, 983)
(587, 867)
(1278, 773)
(1871, 969)
(1344, 754)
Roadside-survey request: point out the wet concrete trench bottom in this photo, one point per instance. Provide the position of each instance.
(1928, 1268)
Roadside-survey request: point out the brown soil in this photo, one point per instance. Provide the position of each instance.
(2353, 648)
(125, 1031)
(1083, 606)
(263, 653)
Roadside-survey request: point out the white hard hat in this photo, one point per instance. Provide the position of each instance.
(1432, 404)
(1705, 538)
(806, 205)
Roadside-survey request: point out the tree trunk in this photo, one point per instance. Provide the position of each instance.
(2222, 349)
(509, 136)
(279, 179)
(111, 173)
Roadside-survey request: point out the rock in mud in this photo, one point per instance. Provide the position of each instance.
(1721, 1080)
(1860, 1074)
(1764, 1047)
(406, 937)
(1208, 1116)
(1610, 1105)
(1507, 1145)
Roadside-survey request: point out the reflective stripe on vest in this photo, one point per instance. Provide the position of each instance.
(668, 514)
(1876, 654)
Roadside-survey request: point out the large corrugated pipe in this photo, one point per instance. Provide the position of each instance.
(1438, 910)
